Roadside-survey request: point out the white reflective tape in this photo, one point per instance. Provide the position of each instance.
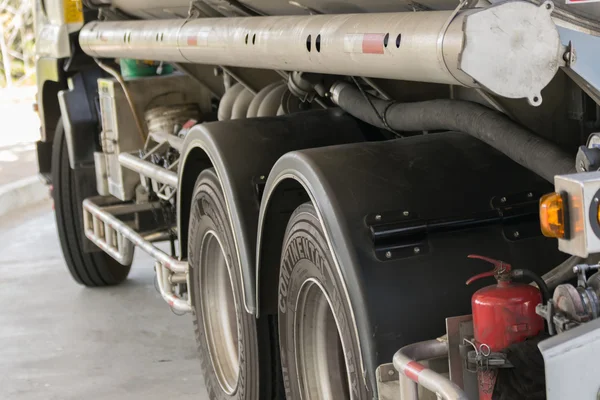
(353, 43)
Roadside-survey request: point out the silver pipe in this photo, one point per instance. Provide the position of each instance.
(174, 141)
(172, 264)
(130, 208)
(157, 236)
(405, 362)
(382, 93)
(251, 42)
(166, 291)
(564, 271)
(122, 251)
(148, 169)
(177, 278)
(428, 46)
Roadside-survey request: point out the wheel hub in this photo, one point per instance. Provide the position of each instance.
(219, 310)
(321, 366)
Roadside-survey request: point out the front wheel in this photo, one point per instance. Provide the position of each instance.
(90, 269)
(320, 353)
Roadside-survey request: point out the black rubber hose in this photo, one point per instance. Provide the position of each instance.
(562, 272)
(526, 273)
(521, 145)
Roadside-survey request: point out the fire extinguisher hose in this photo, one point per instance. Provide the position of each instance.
(525, 273)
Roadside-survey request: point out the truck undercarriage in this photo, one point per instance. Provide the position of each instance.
(324, 171)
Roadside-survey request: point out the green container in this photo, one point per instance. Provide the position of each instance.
(137, 68)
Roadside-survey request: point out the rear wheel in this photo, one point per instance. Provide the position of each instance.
(89, 269)
(320, 354)
(226, 334)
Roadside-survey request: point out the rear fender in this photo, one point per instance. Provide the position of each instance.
(242, 152)
(378, 203)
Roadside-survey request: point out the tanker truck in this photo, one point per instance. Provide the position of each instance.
(391, 200)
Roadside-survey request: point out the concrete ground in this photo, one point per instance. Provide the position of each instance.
(17, 162)
(66, 342)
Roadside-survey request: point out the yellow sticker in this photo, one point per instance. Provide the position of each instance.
(73, 11)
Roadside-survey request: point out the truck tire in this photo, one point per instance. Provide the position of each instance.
(320, 353)
(226, 334)
(89, 269)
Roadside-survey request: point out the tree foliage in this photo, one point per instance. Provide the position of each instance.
(17, 38)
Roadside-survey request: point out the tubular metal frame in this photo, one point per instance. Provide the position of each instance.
(117, 239)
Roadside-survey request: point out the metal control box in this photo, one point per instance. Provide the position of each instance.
(119, 130)
(582, 195)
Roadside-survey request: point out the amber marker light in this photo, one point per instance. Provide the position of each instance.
(552, 215)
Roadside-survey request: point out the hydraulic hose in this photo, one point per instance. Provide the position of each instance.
(562, 273)
(526, 273)
(516, 142)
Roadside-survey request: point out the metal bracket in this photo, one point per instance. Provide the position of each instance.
(259, 183)
(387, 227)
(311, 11)
(388, 384)
(570, 55)
(483, 359)
(511, 200)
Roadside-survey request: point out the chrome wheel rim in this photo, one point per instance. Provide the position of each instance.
(219, 310)
(320, 362)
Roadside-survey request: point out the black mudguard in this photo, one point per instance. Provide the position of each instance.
(402, 216)
(80, 118)
(242, 153)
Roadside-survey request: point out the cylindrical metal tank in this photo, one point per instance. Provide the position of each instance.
(432, 46)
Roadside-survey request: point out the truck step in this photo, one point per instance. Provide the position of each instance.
(117, 239)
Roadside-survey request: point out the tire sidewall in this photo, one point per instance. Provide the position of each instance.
(92, 269)
(306, 257)
(208, 213)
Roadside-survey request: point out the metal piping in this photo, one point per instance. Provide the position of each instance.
(519, 144)
(149, 170)
(430, 46)
(174, 141)
(176, 266)
(164, 287)
(564, 271)
(413, 373)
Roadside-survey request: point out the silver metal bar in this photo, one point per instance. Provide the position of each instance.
(166, 291)
(130, 208)
(132, 237)
(148, 169)
(240, 80)
(174, 141)
(413, 373)
(377, 88)
(178, 278)
(157, 237)
(428, 46)
(120, 250)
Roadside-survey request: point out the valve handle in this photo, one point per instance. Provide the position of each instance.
(501, 269)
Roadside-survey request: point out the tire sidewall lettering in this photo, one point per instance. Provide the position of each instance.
(305, 257)
(205, 215)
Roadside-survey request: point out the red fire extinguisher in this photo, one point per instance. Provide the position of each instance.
(503, 314)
